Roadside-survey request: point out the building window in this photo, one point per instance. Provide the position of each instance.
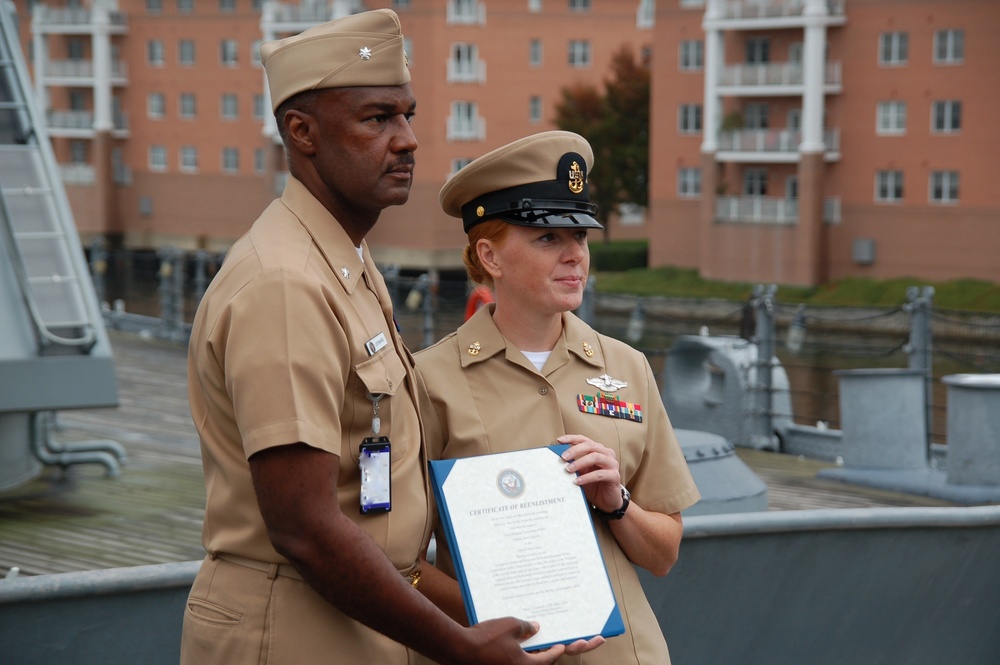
(755, 182)
(792, 188)
(689, 182)
(893, 48)
(227, 6)
(230, 160)
(185, 6)
(408, 50)
(154, 52)
(692, 55)
(794, 119)
(944, 186)
(185, 52)
(255, 52)
(154, 6)
(755, 116)
(258, 106)
(579, 5)
(459, 163)
(400, 4)
(78, 152)
(758, 50)
(157, 158)
(464, 65)
(534, 5)
(535, 53)
(535, 109)
(891, 118)
(75, 49)
(690, 119)
(155, 105)
(946, 117)
(189, 158)
(888, 186)
(188, 107)
(464, 124)
(258, 160)
(579, 53)
(228, 52)
(795, 53)
(229, 106)
(949, 47)
(464, 12)
(77, 100)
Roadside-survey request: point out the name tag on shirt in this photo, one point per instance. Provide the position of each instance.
(376, 344)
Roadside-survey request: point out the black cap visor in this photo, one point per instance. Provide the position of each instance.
(542, 214)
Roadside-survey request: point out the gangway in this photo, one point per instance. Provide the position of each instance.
(54, 351)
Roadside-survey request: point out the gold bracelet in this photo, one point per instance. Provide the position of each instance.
(414, 578)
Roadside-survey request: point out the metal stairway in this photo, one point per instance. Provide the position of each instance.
(54, 351)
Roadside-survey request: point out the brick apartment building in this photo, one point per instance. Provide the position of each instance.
(792, 141)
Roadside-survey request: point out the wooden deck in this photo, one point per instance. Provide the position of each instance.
(79, 519)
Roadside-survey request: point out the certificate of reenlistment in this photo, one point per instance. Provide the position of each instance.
(523, 542)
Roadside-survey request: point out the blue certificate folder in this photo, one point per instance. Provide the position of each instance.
(523, 543)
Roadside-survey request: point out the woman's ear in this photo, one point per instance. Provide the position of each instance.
(486, 250)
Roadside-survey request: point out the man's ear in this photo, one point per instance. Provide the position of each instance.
(488, 258)
(300, 128)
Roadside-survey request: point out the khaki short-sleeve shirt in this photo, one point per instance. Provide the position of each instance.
(292, 335)
(489, 398)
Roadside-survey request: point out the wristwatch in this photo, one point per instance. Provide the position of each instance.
(615, 514)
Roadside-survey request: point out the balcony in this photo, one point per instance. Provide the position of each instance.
(280, 18)
(768, 210)
(466, 72)
(80, 124)
(766, 14)
(81, 72)
(466, 13)
(466, 129)
(77, 174)
(774, 78)
(779, 146)
(73, 21)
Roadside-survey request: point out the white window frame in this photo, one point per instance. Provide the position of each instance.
(459, 163)
(258, 107)
(185, 6)
(946, 116)
(793, 120)
(227, 6)
(230, 160)
(229, 106)
(756, 115)
(890, 118)
(534, 5)
(949, 47)
(78, 151)
(154, 53)
(889, 186)
(536, 52)
(183, 101)
(229, 53)
(258, 161)
(188, 159)
(947, 183)
(757, 50)
(688, 182)
(186, 52)
(464, 123)
(464, 65)
(156, 104)
(893, 48)
(157, 158)
(689, 119)
(255, 53)
(579, 55)
(154, 7)
(691, 55)
(755, 182)
(535, 109)
(579, 5)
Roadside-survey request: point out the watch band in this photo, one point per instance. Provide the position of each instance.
(615, 514)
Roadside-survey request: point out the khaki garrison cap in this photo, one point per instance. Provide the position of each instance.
(359, 50)
(538, 181)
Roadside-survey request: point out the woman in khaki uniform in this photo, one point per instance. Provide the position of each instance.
(525, 372)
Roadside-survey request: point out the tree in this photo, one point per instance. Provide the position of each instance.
(616, 123)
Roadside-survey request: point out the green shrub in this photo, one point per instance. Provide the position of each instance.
(619, 255)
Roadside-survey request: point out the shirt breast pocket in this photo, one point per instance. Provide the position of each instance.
(380, 377)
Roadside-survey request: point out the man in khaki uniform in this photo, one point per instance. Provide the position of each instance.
(294, 364)
(525, 372)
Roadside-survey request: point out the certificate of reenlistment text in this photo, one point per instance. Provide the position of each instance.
(523, 542)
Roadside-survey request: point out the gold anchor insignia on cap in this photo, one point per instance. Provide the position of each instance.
(474, 349)
(588, 350)
(365, 53)
(480, 211)
(606, 384)
(346, 272)
(575, 178)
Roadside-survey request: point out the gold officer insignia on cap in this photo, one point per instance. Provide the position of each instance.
(480, 211)
(605, 383)
(575, 178)
(588, 349)
(346, 272)
(474, 349)
(365, 53)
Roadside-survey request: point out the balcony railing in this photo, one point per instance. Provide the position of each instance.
(65, 19)
(737, 9)
(77, 174)
(774, 74)
(466, 13)
(772, 140)
(466, 72)
(466, 129)
(769, 209)
(80, 120)
(81, 69)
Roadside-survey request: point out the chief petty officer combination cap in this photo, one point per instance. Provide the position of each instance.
(359, 50)
(537, 181)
